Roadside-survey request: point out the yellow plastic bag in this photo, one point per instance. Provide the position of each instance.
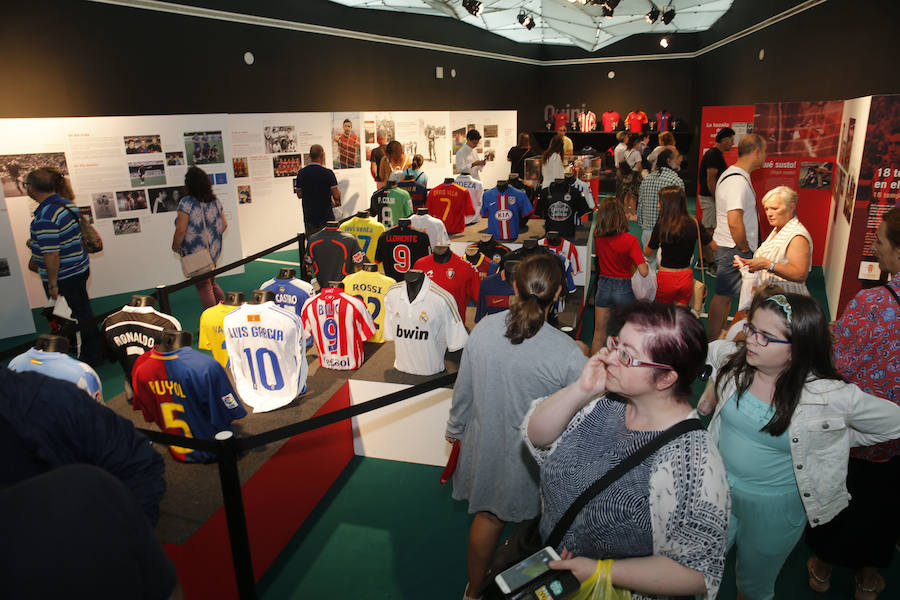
(599, 585)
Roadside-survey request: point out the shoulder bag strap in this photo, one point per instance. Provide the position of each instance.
(893, 293)
(74, 216)
(700, 251)
(638, 456)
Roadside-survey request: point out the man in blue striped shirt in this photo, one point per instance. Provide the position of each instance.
(58, 256)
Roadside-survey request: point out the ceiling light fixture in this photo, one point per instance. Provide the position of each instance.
(526, 20)
(611, 4)
(606, 11)
(664, 42)
(668, 15)
(474, 7)
(653, 15)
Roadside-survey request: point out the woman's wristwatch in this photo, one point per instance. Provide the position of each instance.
(771, 268)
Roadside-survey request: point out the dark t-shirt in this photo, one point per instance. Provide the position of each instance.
(516, 157)
(315, 181)
(375, 158)
(333, 254)
(677, 253)
(712, 159)
(399, 248)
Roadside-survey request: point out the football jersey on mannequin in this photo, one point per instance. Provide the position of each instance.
(59, 365)
(494, 295)
(491, 248)
(399, 248)
(133, 331)
(366, 230)
(422, 329)
(212, 336)
(476, 191)
(370, 287)
(585, 188)
(505, 211)
(437, 233)
(451, 204)
(482, 264)
(566, 250)
(562, 206)
(187, 393)
(587, 121)
(610, 120)
(635, 120)
(339, 323)
(663, 121)
(290, 294)
(390, 205)
(418, 193)
(267, 351)
(333, 255)
(456, 276)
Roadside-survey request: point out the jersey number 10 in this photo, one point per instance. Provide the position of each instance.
(261, 354)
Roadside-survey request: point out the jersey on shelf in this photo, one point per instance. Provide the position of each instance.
(186, 393)
(370, 287)
(366, 230)
(635, 120)
(267, 351)
(610, 120)
(333, 255)
(456, 276)
(390, 204)
(212, 335)
(451, 204)
(587, 121)
(562, 206)
(339, 323)
(133, 331)
(437, 233)
(505, 210)
(476, 192)
(399, 248)
(422, 329)
(59, 365)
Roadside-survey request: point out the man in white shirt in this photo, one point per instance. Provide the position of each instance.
(737, 227)
(467, 160)
(619, 151)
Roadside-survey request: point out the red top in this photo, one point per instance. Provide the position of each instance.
(451, 204)
(635, 119)
(560, 119)
(456, 276)
(482, 264)
(617, 254)
(610, 120)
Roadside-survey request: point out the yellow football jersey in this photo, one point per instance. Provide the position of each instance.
(366, 231)
(212, 336)
(370, 288)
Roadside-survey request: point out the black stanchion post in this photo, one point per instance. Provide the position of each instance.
(162, 298)
(301, 247)
(234, 515)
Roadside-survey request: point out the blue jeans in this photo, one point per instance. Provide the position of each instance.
(728, 277)
(613, 291)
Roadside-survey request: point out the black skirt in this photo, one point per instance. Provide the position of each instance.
(864, 533)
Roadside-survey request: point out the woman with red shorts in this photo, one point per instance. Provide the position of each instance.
(675, 232)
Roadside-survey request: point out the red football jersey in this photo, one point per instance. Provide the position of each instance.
(451, 204)
(482, 264)
(635, 120)
(456, 276)
(340, 323)
(610, 121)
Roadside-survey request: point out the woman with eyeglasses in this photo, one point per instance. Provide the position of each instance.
(664, 523)
(784, 424)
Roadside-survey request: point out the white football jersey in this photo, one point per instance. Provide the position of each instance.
(434, 227)
(424, 329)
(585, 188)
(340, 323)
(476, 191)
(267, 352)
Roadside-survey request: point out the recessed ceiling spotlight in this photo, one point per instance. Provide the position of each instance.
(474, 7)
(653, 15)
(526, 20)
(668, 15)
(664, 42)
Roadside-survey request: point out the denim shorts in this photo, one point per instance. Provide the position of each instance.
(613, 291)
(728, 277)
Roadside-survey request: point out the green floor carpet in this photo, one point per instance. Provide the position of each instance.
(388, 530)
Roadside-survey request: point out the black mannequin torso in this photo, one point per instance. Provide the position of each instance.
(261, 296)
(362, 213)
(449, 180)
(139, 300)
(286, 273)
(502, 185)
(52, 343)
(404, 223)
(173, 340)
(472, 255)
(554, 238)
(442, 254)
(336, 284)
(333, 224)
(234, 298)
(414, 280)
(422, 211)
(509, 269)
(529, 244)
(370, 267)
(390, 184)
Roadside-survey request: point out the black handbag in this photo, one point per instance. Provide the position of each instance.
(526, 539)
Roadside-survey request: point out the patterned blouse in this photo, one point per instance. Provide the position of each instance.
(676, 503)
(867, 353)
(197, 237)
(775, 249)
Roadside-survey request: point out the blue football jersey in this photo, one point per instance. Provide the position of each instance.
(185, 392)
(493, 296)
(59, 366)
(504, 211)
(290, 294)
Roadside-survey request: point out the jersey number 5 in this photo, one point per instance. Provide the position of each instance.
(170, 413)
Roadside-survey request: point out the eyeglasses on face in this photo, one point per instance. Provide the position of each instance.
(626, 359)
(762, 339)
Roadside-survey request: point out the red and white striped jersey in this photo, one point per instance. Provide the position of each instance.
(587, 121)
(565, 249)
(339, 323)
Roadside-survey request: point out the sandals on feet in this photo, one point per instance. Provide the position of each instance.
(818, 584)
(869, 593)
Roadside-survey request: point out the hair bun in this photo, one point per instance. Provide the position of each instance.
(705, 372)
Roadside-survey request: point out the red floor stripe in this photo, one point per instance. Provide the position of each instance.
(277, 499)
